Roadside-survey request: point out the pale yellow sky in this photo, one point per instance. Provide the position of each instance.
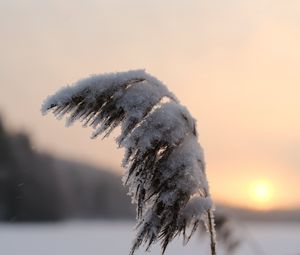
(234, 64)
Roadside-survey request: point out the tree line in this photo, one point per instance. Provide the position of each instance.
(39, 187)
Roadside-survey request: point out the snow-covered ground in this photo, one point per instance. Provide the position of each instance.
(105, 238)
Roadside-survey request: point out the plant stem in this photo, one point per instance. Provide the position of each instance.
(211, 229)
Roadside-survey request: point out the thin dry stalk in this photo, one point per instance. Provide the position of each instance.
(212, 234)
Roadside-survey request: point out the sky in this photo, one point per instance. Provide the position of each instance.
(234, 64)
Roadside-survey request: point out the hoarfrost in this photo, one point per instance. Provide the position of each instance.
(165, 164)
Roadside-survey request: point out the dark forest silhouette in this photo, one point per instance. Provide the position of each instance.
(39, 187)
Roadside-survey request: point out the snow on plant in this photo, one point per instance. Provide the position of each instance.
(165, 165)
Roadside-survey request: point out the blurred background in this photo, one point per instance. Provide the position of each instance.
(234, 64)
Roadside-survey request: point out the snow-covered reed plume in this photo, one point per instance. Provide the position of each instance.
(165, 165)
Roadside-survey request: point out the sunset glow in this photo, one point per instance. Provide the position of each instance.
(233, 64)
(261, 194)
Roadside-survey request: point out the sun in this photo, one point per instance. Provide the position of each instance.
(261, 193)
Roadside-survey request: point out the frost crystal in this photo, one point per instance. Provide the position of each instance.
(165, 165)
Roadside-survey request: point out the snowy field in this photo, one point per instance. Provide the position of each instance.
(97, 238)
